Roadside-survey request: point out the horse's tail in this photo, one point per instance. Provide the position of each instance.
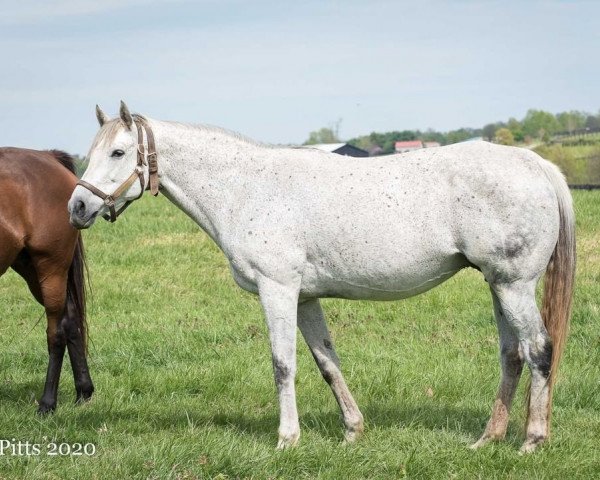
(560, 275)
(76, 290)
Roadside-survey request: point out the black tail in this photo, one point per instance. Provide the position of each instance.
(78, 269)
(76, 289)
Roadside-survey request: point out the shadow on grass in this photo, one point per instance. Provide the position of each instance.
(20, 392)
(435, 417)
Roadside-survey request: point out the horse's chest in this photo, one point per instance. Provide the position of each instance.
(245, 278)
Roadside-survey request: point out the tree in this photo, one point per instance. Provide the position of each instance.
(504, 136)
(516, 129)
(570, 121)
(432, 136)
(489, 131)
(462, 134)
(592, 122)
(324, 135)
(539, 124)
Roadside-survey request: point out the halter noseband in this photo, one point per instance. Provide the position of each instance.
(153, 185)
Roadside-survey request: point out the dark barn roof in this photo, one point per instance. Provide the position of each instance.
(341, 149)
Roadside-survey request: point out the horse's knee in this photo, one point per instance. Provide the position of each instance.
(282, 371)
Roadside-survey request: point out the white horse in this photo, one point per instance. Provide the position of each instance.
(299, 224)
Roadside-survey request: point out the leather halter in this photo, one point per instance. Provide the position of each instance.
(143, 158)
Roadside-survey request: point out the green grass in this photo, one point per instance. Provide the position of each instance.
(184, 388)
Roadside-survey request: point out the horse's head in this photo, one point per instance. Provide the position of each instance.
(108, 185)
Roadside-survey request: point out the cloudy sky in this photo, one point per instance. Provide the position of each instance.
(275, 70)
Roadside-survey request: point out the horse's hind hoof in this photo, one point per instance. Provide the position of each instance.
(84, 396)
(531, 444)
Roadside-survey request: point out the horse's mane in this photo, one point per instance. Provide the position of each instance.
(220, 130)
(64, 159)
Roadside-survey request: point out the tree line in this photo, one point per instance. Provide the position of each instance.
(536, 126)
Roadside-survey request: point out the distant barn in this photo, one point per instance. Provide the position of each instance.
(340, 149)
(408, 146)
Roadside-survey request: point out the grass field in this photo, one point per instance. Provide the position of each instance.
(184, 388)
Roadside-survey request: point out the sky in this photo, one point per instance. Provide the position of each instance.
(276, 70)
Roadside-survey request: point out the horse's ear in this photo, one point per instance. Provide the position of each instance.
(101, 116)
(125, 115)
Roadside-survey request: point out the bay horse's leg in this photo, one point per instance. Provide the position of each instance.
(52, 281)
(518, 306)
(311, 322)
(84, 388)
(280, 303)
(52, 297)
(512, 365)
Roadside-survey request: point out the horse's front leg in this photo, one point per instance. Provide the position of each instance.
(280, 302)
(314, 329)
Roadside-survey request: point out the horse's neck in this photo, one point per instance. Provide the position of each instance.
(202, 171)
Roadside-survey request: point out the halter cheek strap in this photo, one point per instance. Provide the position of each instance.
(152, 162)
(141, 123)
(110, 200)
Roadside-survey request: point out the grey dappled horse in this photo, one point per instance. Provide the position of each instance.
(299, 224)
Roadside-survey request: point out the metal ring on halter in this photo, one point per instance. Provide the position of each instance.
(142, 151)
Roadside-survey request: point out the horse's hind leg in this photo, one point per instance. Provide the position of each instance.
(512, 365)
(52, 283)
(67, 328)
(312, 325)
(23, 265)
(518, 306)
(84, 387)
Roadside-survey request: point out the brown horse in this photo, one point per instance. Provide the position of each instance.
(38, 242)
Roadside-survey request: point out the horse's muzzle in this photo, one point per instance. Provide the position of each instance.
(81, 215)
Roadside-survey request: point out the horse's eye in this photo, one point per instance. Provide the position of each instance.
(117, 153)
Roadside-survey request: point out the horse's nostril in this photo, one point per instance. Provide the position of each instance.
(79, 208)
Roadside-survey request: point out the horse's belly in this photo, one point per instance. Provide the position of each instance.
(392, 283)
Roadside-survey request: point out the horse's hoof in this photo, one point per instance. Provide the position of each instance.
(351, 435)
(480, 443)
(46, 408)
(84, 395)
(355, 426)
(288, 441)
(531, 444)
